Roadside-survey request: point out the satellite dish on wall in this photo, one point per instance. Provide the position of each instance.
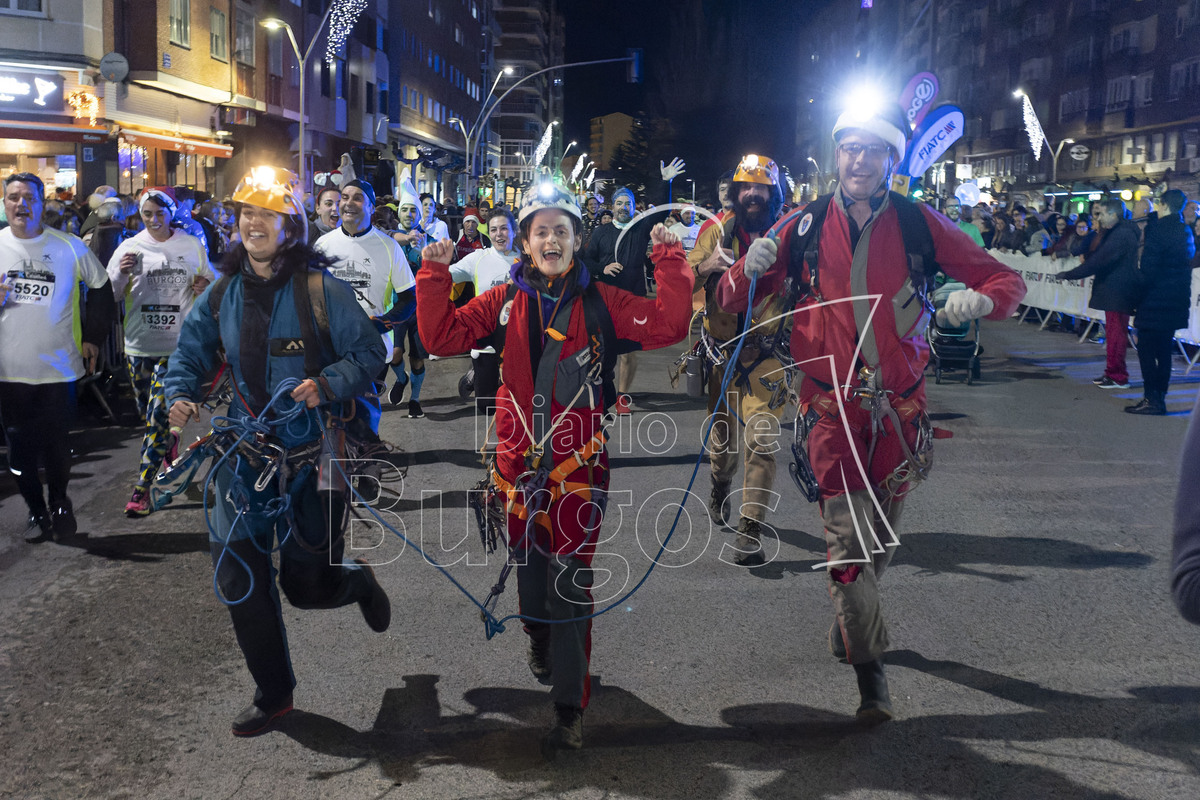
(114, 68)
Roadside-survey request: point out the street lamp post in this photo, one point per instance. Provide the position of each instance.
(1054, 160)
(566, 150)
(820, 181)
(693, 183)
(276, 24)
(471, 136)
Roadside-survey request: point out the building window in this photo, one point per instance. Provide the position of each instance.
(1142, 88)
(180, 22)
(458, 35)
(474, 10)
(1184, 76)
(218, 35)
(23, 6)
(326, 79)
(243, 38)
(404, 95)
(1118, 93)
(353, 90)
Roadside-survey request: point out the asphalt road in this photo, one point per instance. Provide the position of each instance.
(1036, 653)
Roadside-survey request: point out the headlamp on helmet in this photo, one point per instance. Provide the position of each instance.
(271, 188)
(549, 195)
(756, 169)
(887, 121)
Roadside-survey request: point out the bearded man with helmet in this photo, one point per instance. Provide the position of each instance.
(748, 424)
(558, 333)
(860, 296)
(265, 312)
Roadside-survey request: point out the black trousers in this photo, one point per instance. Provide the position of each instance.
(1155, 349)
(309, 579)
(36, 420)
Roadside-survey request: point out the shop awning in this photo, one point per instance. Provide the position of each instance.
(193, 147)
(51, 132)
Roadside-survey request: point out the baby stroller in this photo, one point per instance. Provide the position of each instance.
(952, 347)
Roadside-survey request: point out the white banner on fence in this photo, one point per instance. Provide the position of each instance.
(1048, 293)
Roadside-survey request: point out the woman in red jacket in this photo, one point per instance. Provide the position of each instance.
(562, 333)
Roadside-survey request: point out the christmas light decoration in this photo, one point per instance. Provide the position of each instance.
(85, 104)
(578, 167)
(544, 145)
(342, 19)
(1032, 126)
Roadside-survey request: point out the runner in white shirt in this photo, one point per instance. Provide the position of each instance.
(368, 259)
(688, 229)
(434, 227)
(485, 269)
(46, 344)
(156, 276)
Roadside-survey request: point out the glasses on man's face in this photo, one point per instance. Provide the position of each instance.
(854, 150)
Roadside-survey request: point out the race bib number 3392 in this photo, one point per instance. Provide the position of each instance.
(31, 291)
(161, 317)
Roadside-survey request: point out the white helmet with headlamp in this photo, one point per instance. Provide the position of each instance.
(549, 195)
(886, 121)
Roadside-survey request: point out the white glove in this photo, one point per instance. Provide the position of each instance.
(760, 257)
(672, 170)
(961, 306)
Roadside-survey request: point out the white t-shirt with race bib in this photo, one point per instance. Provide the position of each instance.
(40, 325)
(374, 264)
(484, 268)
(157, 300)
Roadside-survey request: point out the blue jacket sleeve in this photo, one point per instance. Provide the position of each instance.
(359, 349)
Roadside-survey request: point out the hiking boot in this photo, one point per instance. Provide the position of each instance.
(466, 385)
(38, 528)
(62, 520)
(567, 731)
(876, 706)
(396, 393)
(376, 608)
(747, 543)
(255, 720)
(139, 503)
(414, 410)
(539, 659)
(717, 501)
(1109, 383)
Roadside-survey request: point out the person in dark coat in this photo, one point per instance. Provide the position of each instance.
(1114, 265)
(623, 267)
(1166, 272)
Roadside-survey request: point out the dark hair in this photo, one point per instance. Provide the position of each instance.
(523, 236)
(27, 177)
(1175, 200)
(183, 194)
(503, 212)
(423, 195)
(327, 188)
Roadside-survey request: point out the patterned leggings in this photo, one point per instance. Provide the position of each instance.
(146, 373)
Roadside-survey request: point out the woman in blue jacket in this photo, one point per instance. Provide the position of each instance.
(261, 312)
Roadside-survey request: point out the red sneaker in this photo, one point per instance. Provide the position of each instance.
(139, 503)
(622, 405)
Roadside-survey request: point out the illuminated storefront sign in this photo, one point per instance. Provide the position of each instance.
(30, 91)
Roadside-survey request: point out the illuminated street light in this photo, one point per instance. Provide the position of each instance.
(274, 24)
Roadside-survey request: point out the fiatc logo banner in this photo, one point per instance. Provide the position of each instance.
(942, 128)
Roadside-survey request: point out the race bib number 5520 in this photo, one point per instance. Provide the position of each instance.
(31, 291)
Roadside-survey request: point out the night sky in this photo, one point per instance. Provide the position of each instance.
(723, 73)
